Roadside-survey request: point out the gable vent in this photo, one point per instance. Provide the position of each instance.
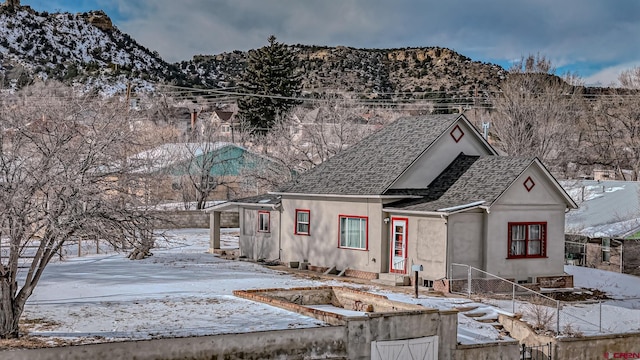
(457, 133)
(529, 184)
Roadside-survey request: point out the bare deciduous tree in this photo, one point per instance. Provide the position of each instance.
(630, 78)
(536, 112)
(61, 178)
(210, 164)
(612, 135)
(307, 137)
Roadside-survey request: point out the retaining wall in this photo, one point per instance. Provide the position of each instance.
(183, 219)
(583, 347)
(494, 351)
(323, 342)
(619, 346)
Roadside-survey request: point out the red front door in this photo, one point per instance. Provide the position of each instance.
(398, 245)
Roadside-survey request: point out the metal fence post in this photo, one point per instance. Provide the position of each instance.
(600, 321)
(469, 281)
(558, 317)
(513, 298)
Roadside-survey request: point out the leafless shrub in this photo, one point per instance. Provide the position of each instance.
(540, 315)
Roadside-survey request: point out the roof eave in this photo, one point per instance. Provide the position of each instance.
(233, 205)
(350, 196)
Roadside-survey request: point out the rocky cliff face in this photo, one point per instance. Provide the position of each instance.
(367, 72)
(99, 19)
(12, 3)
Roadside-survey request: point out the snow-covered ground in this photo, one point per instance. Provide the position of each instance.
(620, 314)
(182, 291)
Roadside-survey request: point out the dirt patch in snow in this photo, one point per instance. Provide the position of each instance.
(583, 295)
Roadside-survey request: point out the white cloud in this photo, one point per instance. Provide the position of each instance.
(578, 34)
(609, 75)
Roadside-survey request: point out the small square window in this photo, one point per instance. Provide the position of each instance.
(264, 218)
(303, 222)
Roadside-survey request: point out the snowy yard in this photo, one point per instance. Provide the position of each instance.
(180, 291)
(184, 291)
(618, 314)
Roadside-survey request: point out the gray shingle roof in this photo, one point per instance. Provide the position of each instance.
(373, 164)
(468, 179)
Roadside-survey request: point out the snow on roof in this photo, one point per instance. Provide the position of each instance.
(606, 208)
(167, 154)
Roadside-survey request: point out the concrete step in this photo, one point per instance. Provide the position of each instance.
(464, 309)
(391, 279)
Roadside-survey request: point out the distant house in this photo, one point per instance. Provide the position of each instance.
(608, 174)
(424, 191)
(225, 121)
(223, 162)
(604, 232)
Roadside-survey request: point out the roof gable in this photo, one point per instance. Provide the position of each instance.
(468, 180)
(372, 165)
(471, 181)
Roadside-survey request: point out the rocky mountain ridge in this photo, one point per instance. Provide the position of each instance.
(86, 49)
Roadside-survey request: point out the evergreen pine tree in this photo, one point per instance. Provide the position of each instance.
(271, 82)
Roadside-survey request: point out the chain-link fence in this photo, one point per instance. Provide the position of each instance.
(543, 312)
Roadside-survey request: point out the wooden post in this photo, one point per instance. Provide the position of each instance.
(79, 247)
(416, 282)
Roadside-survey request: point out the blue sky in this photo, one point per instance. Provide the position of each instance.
(594, 38)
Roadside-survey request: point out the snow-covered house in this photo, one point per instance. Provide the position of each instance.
(224, 163)
(604, 232)
(424, 191)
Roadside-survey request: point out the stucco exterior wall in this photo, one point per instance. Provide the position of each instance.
(427, 246)
(442, 152)
(259, 245)
(541, 204)
(320, 247)
(466, 238)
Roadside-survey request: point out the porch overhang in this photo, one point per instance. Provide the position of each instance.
(444, 212)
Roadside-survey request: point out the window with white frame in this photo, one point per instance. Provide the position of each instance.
(527, 240)
(353, 232)
(264, 218)
(303, 222)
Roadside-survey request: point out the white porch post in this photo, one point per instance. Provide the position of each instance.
(214, 231)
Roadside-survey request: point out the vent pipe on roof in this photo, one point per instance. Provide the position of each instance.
(485, 130)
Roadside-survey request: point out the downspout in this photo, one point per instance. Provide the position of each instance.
(279, 208)
(447, 248)
(485, 235)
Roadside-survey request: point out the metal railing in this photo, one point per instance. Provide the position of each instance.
(536, 352)
(400, 265)
(543, 312)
